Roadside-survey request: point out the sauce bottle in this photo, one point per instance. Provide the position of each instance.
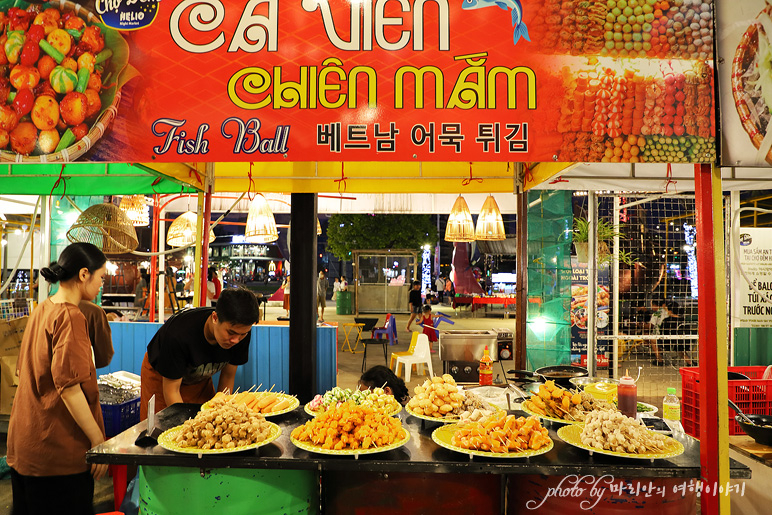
(671, 406)
(486, 369)
(627, 396)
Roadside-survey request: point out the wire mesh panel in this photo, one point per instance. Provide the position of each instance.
(654, 322)
(15, 308)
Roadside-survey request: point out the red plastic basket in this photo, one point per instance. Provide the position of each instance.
(753, 396)
(119, 417)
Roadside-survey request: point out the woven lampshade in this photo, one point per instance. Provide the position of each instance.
(460, 227)
(261, 226)
(490, 226)
(182, 231)
(136, 208)
(105, 226)
(318, 227)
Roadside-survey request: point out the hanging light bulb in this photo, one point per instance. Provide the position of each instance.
(182, 231)
(460, 227)
(136, 208)
(261, 226)
(490, 226)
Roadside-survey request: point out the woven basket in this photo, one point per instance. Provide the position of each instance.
(98, 127)
(107, 227)
(743, 58)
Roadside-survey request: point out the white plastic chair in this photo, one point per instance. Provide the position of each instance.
(421, 356)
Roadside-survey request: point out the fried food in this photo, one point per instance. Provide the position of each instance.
(502, 433)
(225, 426)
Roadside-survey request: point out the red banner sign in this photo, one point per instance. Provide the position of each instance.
(398, 80)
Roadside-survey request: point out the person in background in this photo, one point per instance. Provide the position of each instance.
(210, 287)
(98, 332)
(448, 288)
(380, 376)
(439, 284)
(56, 415)
(217, 283)
(321, 294)
(414, 302)
(195, 344)
(343, 283)
(335, 288)
(661, 313)
(428, 322)
(140, 291)
(286, 287)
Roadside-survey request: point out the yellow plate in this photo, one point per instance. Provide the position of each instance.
(441, 420)
(294, 403)
(552, 419)
(443, 436)
(572, 436)
(306, 446)
(390, 412)
(168, 438)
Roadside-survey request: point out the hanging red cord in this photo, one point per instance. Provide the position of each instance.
(343, 177)
(670, 178)
(528, 176)
(61, 179)
(559, 179)
(467, 182)
(155, 183)
(252, 186)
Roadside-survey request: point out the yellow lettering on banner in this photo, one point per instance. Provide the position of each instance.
(256, 81)
(511, 74)
(469, 94)
(289, 94)
(331, 67)
(372, 87)
(418, 76)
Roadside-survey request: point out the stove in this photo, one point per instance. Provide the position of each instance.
(461, 351)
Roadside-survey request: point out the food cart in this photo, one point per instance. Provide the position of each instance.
(478, 96)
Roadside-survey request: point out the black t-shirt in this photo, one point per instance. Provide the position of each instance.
(415, 298)
(180, 350)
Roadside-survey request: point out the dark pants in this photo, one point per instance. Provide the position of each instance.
(63, 495)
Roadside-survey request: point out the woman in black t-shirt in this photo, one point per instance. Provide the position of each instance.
(195, 344)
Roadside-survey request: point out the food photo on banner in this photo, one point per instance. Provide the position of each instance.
(745, 82)
(523, 80)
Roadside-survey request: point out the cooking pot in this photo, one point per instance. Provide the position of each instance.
(561, 374)
(753, 425)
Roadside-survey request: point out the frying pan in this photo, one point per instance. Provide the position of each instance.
(752, 425)
(558, 373)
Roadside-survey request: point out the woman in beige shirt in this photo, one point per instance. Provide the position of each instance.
(56, 416)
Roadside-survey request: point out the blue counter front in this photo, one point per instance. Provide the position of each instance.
(269, 354)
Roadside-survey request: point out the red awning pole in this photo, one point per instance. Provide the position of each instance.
(714, 428)
(205, 242)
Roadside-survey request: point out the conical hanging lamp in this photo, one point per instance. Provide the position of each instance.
(490, 226)
(105, 226)
(261, 226)
(136, 208)
(182, 231)
(318, 227)
(460, 227)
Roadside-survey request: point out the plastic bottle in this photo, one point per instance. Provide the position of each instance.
(627, 396)
(671, 406)
(486, 369)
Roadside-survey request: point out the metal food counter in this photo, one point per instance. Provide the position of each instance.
(347, 481)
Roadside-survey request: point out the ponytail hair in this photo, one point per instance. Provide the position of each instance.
(71, 260)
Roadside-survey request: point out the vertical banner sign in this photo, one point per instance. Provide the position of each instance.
(755, 258)
(745, 82)
(579, 313)
(364, 80)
